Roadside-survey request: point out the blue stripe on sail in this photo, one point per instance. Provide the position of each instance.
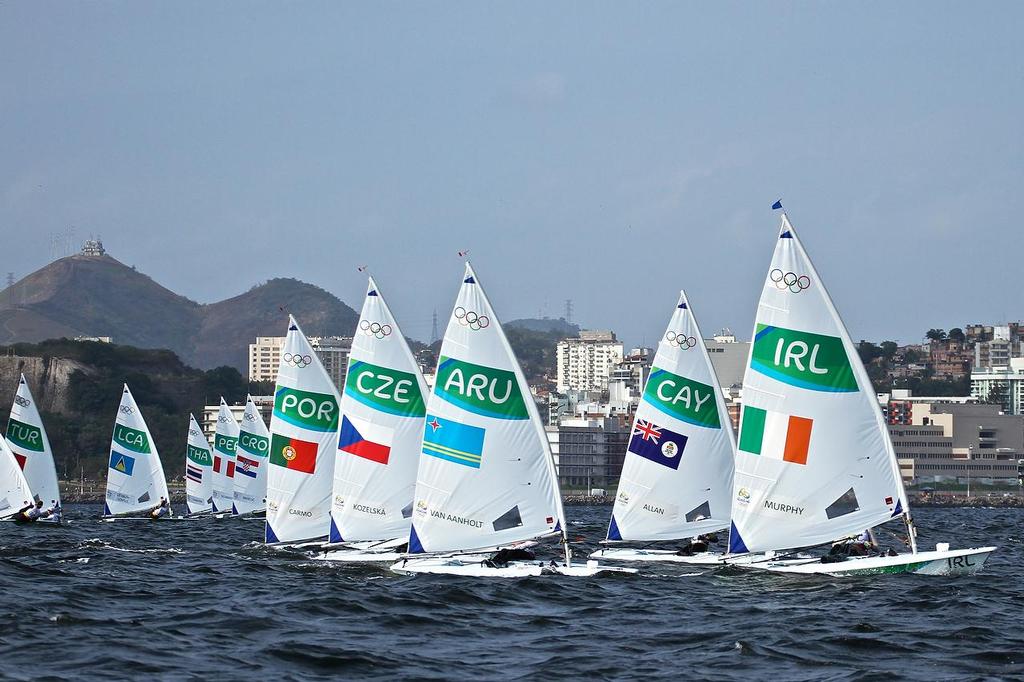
(335, 533)
(736, 544)
(415, 546)
(767, 330)
(271, 536)
(613, 530)
(106, 509)
(898, 510)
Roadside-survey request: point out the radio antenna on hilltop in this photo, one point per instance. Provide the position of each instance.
(568, 310)
(433, 329)
(10, 280)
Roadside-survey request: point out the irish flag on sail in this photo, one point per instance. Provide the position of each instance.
(776, 435)
(31, 447)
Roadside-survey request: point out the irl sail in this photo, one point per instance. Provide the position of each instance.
(225, 440)
(303, 443)
(250, 494)
(135, 476)
(814, 461)
(15, 494)
(382, 414)
(27, 439)
(198, 470)
(677, 476)
(486, 476)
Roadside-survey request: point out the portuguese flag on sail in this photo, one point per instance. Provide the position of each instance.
(775, 435)
(293, 454)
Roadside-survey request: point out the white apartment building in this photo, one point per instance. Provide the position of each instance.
(1007, 380)
(265, 403)
(333, 351)
(584, 363)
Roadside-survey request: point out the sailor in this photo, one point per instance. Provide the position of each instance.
(164, 509)
(698, 543)
(25, 507)
(35, 512)
(55, 512)
(862, 545)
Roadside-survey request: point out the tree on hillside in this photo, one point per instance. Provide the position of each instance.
(936, 335)
(888, 349)
(956, 334)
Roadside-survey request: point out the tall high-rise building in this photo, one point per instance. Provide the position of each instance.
(333, 351)
(583, 363)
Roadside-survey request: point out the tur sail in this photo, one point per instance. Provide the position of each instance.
(486, 476)
(677, 476)
(382, 415)
(135, 476)
(303, 443)
(251, 462)
(27, 440)
(814, 461)
(225, 440)
(198, 470)
(15, 494)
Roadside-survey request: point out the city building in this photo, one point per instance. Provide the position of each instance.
(589, 453)
(995, 346)
(898, 406)
(728, 357)
(1003, 385)
(333, 351)
(950, 360)
(584, 363)
(265, 403)
(98, 339)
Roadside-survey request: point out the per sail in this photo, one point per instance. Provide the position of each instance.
(303, 442)
(135, 477)
(15, 494)
(814, 461)
(225, 440)
(486, 476)
(251, 462)
(382, 412)
(27, 439)
(677, 476)
(198, 470)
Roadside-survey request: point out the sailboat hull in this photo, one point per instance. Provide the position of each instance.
(474, 567)
(658, 555)
(946, 562)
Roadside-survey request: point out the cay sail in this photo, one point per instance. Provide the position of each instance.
(198, 470)
(486, 476)
(225, 440)
(814, 460)
(135, 476)
(382, 410)
(677, 476)
(27, 439)
(14, 491)
(251, 462)
(303, 443)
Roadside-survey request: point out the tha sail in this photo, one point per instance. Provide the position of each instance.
(251, 467)
(225, 440)
(382, 410)
(198, 470)
(27, 439)
(135, 476)
(677, 476)
(303, 445)
(15, 494)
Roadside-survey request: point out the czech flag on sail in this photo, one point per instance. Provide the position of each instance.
(455, 442)
(775, 435)
(356, 439)
(246, 466)
(122, 463)
(293, 454)
(657, 443)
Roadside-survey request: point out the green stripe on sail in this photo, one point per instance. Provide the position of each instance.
(132, 439)
(225, 444)
(253, 444)
(752, 429)
(814, 362)
(685, 399)
(487, 391)
(389, 390)
(200, 456)
(306, 409)
(25, 435)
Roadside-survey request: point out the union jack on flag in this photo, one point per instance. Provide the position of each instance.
(647, 430)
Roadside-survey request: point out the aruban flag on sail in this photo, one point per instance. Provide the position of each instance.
(246, 466)
(775, 435)
(657, 443)
(194, 473)
(293, 454)
(366, 440)
(455, 442)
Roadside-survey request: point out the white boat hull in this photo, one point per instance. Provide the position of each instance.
(356, 556)
(658, 555)
(474, 566)
(945, 562)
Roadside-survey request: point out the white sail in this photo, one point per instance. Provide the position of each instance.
(198, 470)
(135, 476)
(225, 440)
(27, 439)
(15, 494)
(303, 443)
(677, 476)
(486, 476)
(382, 414)
(814, 461)
(251, 462)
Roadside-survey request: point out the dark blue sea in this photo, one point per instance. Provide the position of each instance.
(202, 601)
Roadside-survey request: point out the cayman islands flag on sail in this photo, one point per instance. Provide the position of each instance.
(775, 435)
(657, 443)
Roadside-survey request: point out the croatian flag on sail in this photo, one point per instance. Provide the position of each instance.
(775, 435)
(657, 443)
(364, 439)
(246, 466)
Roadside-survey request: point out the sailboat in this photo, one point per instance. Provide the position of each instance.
(486, 478)
(225, 441)
(676, 480)
(250, 494)
(303, 443)
(27, 439)
(15, 494)
(135, 476)
(382, 416)
(198, 471)
(815, 463)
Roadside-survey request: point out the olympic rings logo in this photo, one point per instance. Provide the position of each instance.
(375, 329)
(24, 402)
(296, 360)
(680, 340)
(789, 280)
(127, 409)
(468, 318)
(193, 432)
(248, 417)
(223, 420)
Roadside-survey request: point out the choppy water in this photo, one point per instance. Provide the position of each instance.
(199, 600)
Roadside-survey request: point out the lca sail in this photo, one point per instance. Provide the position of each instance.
(486, 476)
(303, 443)
(135, 476)
(677, 476)
(27, 439)
(198, 470)
(15, 494)
(251, 466)
(814, 460)
(225, 440)
(382, 410)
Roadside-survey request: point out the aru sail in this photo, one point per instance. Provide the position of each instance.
(677, 476)
(225, 440)
(303, 442)
(814, 460)
(198, 470)
(135, 476)
(486, 476)
(250, 494)
(382, 413)
(27, 439)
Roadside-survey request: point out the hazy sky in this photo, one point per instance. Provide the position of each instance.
(610, 153)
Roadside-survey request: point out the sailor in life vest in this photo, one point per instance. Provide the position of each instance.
(164, 509)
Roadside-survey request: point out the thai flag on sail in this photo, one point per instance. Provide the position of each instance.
(364, 439)
(246, 466)
(193, 473)
(657, 443)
